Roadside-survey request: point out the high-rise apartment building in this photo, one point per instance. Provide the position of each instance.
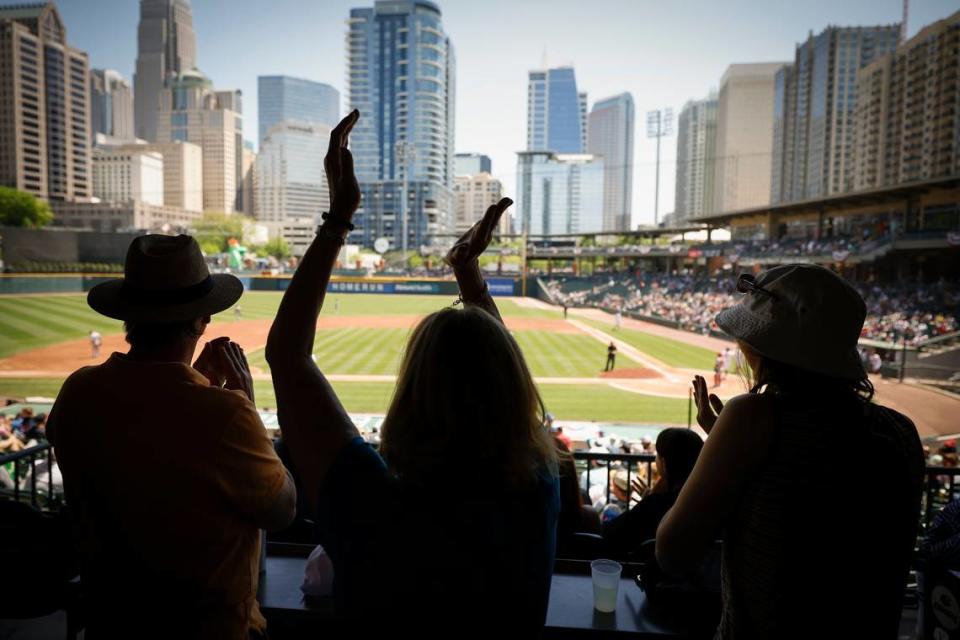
(610, 135)
(44, 106)
(289, 99)
(166, 47)
(696, 159)
(191, 111)
(472, 196)
(556, 112)
(907, 123)
(744, 136)
(111, 105)
(814, 111)
(559, 193)
(401, 76)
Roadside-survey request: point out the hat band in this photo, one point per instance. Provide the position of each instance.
(167, 296)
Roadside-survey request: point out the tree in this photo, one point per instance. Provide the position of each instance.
(21, 209)
(277, 247)
(215, 228)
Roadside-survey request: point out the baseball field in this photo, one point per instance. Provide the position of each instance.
(359, 344)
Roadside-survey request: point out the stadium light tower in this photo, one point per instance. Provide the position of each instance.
(406, 155)
(659, 125)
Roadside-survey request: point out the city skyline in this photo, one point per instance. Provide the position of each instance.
(676, 63)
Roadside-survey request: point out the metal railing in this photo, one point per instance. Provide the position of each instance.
(613, 462)
(20, 470)
(941, 484)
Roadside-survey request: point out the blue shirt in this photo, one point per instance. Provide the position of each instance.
(452, 550)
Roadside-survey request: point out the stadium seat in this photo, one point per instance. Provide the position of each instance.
(42, 571)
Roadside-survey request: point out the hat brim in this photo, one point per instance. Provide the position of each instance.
(106, 299)
(739, 323)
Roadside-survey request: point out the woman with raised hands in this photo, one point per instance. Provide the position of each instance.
(455, 517)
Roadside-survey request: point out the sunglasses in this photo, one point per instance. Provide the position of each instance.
(747, 283)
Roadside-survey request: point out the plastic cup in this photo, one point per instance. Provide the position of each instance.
(606, 584)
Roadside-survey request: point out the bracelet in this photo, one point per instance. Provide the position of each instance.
(483, 292)
(327, 217)
(324, 232)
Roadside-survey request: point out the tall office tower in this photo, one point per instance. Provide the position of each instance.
(289, 176)
(744, 136)
(191, 111)
(288, 99)
(232, 100)
(472, 196)
(401, 76)
(471, 164)
(907, 128)
(556, 111)
(696, 156)
(559, 193)
(610, 135)
(814, 111)
(166, 47)
(249, 179)
(584, 120)
(44, 106)
(111, 105)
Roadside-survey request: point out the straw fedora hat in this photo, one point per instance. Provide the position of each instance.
(802, 315)
(165, 279)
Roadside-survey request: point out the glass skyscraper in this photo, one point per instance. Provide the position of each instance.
(556, 112)
(815, 107)
(400, 75)
(610, 131)
(290, 180)
(288, 99)
(559, 193)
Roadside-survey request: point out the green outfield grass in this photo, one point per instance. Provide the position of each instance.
(28, 322)
(566, 402)
(666, 350)
(369, 351)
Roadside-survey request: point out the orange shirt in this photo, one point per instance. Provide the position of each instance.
(164, 474)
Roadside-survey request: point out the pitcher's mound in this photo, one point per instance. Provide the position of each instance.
(630, 373)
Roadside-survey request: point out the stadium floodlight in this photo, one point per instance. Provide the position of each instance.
(659, 125)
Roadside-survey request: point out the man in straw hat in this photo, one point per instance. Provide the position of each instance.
(169, 535)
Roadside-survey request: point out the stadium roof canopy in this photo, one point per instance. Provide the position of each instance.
(642, 233)
(897, 193)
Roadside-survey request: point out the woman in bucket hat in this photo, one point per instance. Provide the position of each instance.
(806, 553)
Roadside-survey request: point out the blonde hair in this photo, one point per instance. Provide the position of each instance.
(465, 401)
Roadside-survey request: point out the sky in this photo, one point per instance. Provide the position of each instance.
(663, 53)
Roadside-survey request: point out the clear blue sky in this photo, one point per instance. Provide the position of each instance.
(664, 53)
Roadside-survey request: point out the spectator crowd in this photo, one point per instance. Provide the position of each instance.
(919, 312)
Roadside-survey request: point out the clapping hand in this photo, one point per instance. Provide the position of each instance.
(477, 238)
(709, 405)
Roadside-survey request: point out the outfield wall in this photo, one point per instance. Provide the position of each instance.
(79, 283)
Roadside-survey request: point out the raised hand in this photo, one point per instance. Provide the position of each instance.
(477, 238)
(709, 405)
(338, 164)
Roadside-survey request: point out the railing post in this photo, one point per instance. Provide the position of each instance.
(608, 480)
(33, 481)
(49, 476)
